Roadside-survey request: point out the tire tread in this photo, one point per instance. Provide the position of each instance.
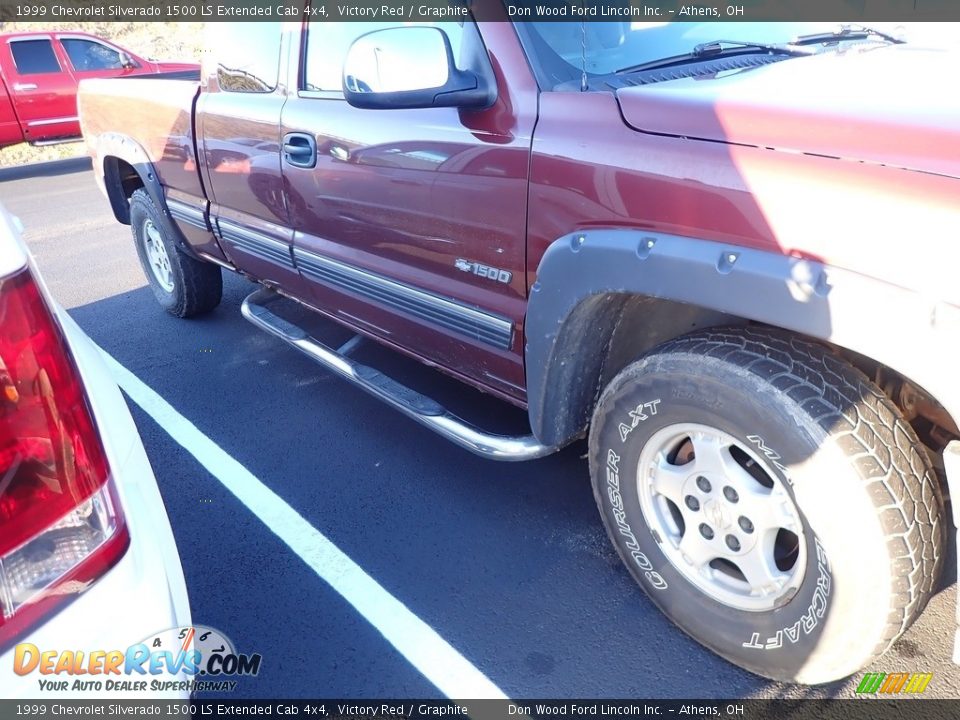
(202, 283)
(867, 425)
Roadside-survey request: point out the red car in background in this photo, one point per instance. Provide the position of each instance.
(39, 75)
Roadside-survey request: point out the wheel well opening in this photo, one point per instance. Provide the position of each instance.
(600, 337)
(607, 332)
(121, 180)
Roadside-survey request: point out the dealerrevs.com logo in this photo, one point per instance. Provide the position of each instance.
(193, 659)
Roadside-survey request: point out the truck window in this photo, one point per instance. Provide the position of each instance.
(90, 55)
(328, 43)
(33, 57)
(246, 54)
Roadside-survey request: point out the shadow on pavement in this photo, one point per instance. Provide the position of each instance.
(46, 169)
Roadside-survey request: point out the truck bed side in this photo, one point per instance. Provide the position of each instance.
(140, 132)
(154, 114)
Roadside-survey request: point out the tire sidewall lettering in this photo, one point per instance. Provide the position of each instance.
(654, 578)
(142, 209)
(640, 410)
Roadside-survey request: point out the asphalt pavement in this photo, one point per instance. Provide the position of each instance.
(508, 563)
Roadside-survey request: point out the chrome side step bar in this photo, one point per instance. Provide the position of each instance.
(421, 408)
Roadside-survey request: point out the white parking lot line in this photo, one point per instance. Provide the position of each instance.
(420, 644)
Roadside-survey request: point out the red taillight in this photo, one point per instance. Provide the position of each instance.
(60, 522)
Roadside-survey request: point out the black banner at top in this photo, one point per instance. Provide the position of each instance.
(490, 10)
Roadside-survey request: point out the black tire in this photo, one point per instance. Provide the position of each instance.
(195, 287)
(861, 484)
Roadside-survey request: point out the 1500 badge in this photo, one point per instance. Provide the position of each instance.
(484, 271)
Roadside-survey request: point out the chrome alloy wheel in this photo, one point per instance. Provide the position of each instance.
(157, 255)
(722, 518)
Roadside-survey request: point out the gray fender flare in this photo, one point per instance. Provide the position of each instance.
(901, 328)
(914, 334)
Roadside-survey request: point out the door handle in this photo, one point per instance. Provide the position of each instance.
(300, 149)
(24, 86)
(294, 149)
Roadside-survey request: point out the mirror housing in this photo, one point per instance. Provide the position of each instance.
(410, 67)
(126, 61)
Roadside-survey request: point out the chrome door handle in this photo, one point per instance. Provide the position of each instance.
(24, 86)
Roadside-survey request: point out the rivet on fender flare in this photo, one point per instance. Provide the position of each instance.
(645, 247)
(726, 262)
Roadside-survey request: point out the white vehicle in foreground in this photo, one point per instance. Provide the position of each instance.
(87, 557)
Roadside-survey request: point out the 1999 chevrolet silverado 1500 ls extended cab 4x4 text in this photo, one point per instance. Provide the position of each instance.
(725, 264)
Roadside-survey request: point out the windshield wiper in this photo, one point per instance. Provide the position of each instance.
(849, 31)
(716, 49)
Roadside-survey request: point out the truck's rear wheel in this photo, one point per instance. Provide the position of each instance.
(769, 499)
(183, 286)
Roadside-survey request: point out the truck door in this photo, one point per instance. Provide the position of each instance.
(10, 132)
(238, 118)
(44, 92)
(410, 224)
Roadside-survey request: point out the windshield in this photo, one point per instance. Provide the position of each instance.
(560, 50)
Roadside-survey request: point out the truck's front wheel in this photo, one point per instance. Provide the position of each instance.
(769, 499)
(183, 286)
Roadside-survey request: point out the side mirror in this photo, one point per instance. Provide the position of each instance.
(410, 67)
(126, 61)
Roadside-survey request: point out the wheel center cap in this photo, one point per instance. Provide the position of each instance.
(716, 514)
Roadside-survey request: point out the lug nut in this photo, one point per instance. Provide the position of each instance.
(745, 524)
(692, 502)
(706, 531)
(733, 543)
(703, 484)
(730, 494)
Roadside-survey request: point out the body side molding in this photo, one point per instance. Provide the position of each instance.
(406, 300)
(255, 243)
(189, 214)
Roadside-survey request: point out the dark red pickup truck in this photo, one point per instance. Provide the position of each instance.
(39, 74)
(726, 264)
